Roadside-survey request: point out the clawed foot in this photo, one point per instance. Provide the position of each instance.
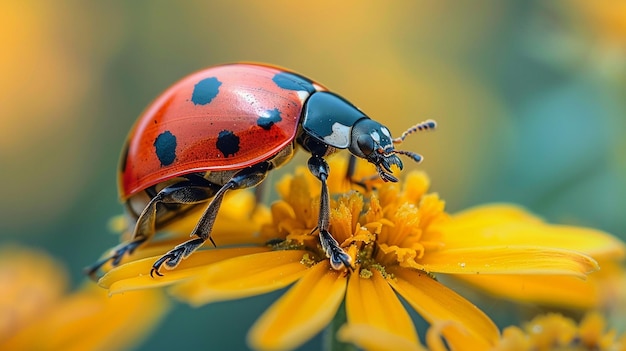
(173, 257)
(115, 257)
(338, 257)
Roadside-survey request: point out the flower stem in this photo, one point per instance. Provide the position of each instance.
(329, 338)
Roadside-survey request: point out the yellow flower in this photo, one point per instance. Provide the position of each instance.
(397, 236)
(556, 332)
(37, 314)
(510, 225)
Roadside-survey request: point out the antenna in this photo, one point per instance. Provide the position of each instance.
(416, 157)
(426, 125)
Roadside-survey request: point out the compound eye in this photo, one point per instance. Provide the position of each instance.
(366, 144)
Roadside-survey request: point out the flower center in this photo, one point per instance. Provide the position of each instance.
(384, 228)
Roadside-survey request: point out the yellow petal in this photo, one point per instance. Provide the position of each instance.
(242, 276)
(90, 320)
(281, 211)
(31, 283)
(592, 331)
(240, 207)
(510, 225)
(368, 337)
(302, 312)
(136, 274)
(371, 302)
(436, 303)
(493, 214)
(303, 197)
(363, 172)
(454, 331)
(509, 260)
(416, 184)
(595, 243)
(553, 290)
(549, 331)
(341, 222)
(160, 247)
(513, 339)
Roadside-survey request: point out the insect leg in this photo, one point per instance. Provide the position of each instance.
(338, 257)
(191, 191)
(247, 177)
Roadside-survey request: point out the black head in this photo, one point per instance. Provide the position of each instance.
(372, 141)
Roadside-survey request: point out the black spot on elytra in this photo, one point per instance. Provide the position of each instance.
(205, 91)
(165, 145)
(267, 120)
(292, 81)
(227, 143)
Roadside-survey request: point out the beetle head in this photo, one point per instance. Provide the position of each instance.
(373, 142)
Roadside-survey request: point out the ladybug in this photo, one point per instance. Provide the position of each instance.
(225, 128)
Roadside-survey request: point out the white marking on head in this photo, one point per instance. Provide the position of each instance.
(375, 136)
(385, 131)
(340, 137)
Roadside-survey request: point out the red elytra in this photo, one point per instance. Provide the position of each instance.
(192, 127)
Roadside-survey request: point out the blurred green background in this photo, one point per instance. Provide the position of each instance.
(530, 98)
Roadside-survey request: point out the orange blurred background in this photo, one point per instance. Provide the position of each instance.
(528, 96)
